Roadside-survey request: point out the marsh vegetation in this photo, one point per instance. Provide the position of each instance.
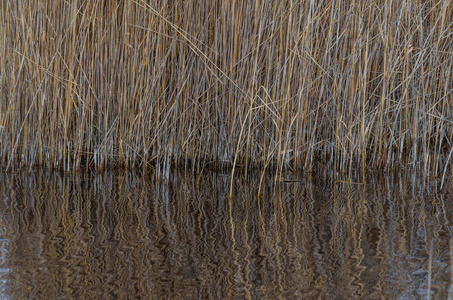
(197, 84)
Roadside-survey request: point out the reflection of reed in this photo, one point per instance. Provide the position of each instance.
(451, 269)
(122, 235)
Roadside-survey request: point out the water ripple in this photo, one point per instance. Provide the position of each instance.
(123, 235)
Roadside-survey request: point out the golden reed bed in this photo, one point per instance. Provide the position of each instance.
(267, 84)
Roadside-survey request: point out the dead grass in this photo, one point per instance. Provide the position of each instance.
(268, 84)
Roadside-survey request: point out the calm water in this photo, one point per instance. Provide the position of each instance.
(122, 236)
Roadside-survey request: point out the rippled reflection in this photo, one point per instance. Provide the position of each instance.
(122, 235)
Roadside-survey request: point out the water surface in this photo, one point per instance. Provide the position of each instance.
(124, 236)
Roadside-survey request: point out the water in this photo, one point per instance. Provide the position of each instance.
(123, 236)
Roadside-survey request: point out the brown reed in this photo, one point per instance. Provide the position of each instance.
(268, 84)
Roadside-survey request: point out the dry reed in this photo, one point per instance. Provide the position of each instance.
(267, 84)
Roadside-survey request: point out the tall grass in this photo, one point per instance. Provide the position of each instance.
(268, 84)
